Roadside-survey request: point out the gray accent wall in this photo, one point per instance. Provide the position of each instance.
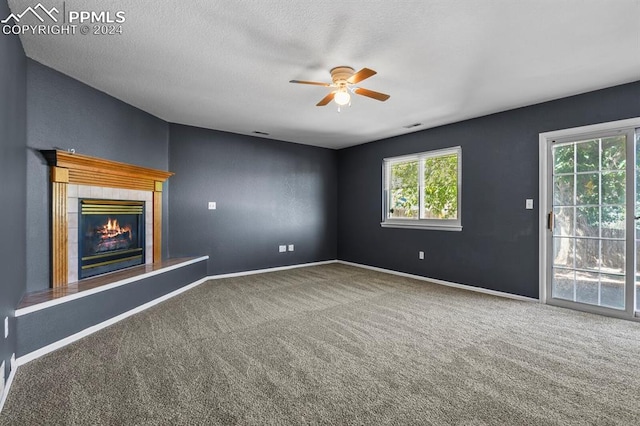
(65, 113)
(498, 246)
(267, 192)
(13, 177)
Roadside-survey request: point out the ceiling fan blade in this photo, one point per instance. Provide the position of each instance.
(361, 75)
(326, 99)
(371, 94)
(315, 83)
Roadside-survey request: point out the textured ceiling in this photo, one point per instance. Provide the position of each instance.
(226, 65)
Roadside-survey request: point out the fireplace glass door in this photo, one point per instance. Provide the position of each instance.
(111, 236)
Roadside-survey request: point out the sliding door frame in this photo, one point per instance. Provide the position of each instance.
(545, 205)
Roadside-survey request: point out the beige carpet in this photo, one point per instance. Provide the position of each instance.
(338, 345)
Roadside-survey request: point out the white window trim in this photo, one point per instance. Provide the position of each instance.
(427, 224)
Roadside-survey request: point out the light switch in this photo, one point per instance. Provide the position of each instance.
(529, 204)
(212, 205)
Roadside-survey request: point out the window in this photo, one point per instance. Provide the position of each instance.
(423, 190)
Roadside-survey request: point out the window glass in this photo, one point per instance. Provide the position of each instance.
(423, 190)
(403, 191)
(440, 187)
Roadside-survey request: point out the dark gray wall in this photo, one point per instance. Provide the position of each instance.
(13, 177)
(267, 193)
(498, 246)
(65, 113)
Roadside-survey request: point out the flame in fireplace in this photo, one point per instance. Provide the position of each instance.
(112, 229)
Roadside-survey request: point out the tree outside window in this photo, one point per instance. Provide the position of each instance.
(423, 190)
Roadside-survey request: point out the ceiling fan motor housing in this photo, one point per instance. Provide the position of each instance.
(340, 75)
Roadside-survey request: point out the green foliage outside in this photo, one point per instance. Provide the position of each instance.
(592, 187)
(590, 175)
(404, 190)
(440, 189)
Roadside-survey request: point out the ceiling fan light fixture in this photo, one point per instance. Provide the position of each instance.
(343, 80)
(342, 97)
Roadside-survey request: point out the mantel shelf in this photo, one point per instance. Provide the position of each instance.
(73, 161)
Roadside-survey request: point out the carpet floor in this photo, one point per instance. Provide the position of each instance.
(334, 345)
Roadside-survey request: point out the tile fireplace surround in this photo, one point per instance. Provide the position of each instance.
(76, 176)
(76, 192)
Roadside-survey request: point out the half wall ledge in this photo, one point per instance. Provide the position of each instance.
(48, 316)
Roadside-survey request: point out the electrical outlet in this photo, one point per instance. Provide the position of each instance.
(212, 205)
(282, 249)
(6, 327)
(290, 247)
(421, 255)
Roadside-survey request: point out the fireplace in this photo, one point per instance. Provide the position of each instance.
(76, 177)
(111, 235)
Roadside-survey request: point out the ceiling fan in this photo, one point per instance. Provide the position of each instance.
(343, 80)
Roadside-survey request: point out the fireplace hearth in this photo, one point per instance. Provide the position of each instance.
(111, 236)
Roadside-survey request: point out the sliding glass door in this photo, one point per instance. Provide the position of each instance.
(593, 233)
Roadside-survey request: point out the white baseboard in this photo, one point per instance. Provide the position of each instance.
(7, 385)
(262, 271)
(90, 330)
(442, 282)
(87, 331)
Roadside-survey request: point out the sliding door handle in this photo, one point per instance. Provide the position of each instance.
(550, 221)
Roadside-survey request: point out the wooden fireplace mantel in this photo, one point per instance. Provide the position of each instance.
(71, 168)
